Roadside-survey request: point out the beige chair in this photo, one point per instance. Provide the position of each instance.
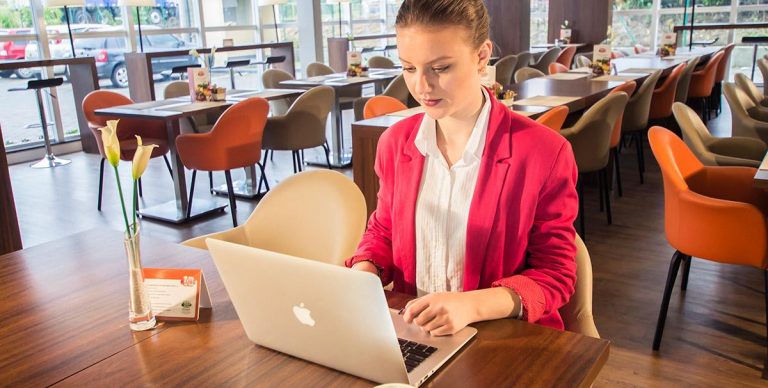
(396, 89)
(199, 123)
(523, 60)
(505, 68)
(760, 111)
(379, 62)
(715, 151)
(324, 226)
(743, 125)
(527, 73)
(590, 139)
(301, 127)
(583, 61)
(271, 79)
(542, 64)
(635, 121)
(681, 94)
(762, 64)
(346, 95)
(577, 313)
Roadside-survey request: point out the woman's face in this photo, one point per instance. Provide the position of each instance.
(442, 68)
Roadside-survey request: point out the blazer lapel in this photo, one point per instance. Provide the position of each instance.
(410, 166)
(490, 184)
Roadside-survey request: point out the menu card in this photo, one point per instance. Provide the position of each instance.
(199, 81)
(565, 35)
(601, 59)
(176, 294)
(668, 44)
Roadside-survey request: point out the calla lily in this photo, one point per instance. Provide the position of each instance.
(111, 143)
(141, 158)
(194, 53)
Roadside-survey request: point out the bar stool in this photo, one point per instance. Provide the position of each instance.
(271, 60)
(182, 70)
(49, 160)
(231, 65)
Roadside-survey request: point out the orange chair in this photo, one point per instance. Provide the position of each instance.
(715, 100)
(555, 68)
(554, 118)
(151, 131)
(566, 56)
(712, 213)
(382, 105)
(664, 95)
(703, 81)
(233, 142)
(629, 88)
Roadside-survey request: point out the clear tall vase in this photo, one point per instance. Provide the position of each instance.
(140, 315)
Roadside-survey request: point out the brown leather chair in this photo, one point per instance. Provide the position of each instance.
(629, 89)
(717, 151)
(664, 95)
(379, 62)
(702, 83)
(151, 131)
(234, 142)
(302, 127)
(527, 73)
(505, 68)
(542, 64)
(635, 122)
(681, 94)
(565, 57)
(590, 139)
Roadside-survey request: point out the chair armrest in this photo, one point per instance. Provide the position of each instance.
(739, 147)
(730, 183)
(235, 235)
(723, 160)
(758, 112)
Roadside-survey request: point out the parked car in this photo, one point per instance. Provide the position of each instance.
(14, 50)
(60, 48)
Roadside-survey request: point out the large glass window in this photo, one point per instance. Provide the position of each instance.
(539, 21)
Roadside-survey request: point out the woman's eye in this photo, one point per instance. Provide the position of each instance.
(409, 69)
(440, 69)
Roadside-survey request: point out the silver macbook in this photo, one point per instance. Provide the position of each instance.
(328, 315)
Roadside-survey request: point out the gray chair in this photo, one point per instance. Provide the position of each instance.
(379, 62)
(542, 64)
(760, 111)
(681, 93)
(527, 73)
(523, 60)
(716, 151)
(302, 127)
(271, 79)
(199, 123)
(762, 64)
(583, 61)
(505, 68)
(743, 125)
(590, 139)
(396, 89)
(347, 96)
(577, 313)
(635, 121)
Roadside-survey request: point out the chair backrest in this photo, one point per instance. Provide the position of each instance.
(505, 67)
(583, 61)
(742, 124)
(379, 62)
(629, 89)
(398, 89)
(664, 95)
(271, 78)
(681, 94)
(318, 215)
(554, 118)
(176, 89)
(748, 87)
(523, 60)
(381, 105)
(548, 57)
(577, 313)
(695, 133)
(590, 137)
(762, 64)
(639, 106)
(527, 73)
(565, 57)
(723, 65)
(315, 69)
(99, 99)
(705, 78)
(555, 68)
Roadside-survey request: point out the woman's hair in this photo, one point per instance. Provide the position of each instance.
(470, 14)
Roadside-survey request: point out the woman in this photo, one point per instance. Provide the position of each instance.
(476, 206)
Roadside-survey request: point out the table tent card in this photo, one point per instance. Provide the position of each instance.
(176, 294)
(199, 82)
(601, 59)
(668, 44)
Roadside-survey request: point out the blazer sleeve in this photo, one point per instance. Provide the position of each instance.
(548, 281)
(376, 244)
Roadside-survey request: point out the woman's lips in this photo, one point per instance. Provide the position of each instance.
(431, 102)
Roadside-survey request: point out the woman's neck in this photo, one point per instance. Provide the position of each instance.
(453, 132)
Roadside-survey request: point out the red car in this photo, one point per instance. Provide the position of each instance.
(13, 50)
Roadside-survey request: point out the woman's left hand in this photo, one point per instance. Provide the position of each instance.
(441, 313)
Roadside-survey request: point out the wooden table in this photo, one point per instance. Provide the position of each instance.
(171, 111)
(761, 176)
(64, 322)
(10, 238)
(339, 81)
(552, 45)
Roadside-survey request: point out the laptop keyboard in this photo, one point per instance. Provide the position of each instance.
(414, 353)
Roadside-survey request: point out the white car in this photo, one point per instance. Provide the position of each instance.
(60, 48)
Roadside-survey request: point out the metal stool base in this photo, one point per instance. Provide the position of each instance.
(50, 161)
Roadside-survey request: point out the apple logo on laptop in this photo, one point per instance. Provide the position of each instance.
(303, 314)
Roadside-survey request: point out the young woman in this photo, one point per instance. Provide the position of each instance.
(476, 206)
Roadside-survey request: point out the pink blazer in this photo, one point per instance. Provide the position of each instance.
(520, 231)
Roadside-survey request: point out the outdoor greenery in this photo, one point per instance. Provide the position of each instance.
(22, 17)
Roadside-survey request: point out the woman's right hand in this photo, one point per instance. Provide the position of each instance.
(366, 266)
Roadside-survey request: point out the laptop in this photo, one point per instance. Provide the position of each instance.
(329, 315)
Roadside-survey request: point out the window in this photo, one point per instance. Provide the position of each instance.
(539, 21)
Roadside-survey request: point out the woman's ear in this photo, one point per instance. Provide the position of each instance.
(484, 55)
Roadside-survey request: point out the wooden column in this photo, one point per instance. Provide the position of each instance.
(10, 237)
(510, 25)
(589, 20)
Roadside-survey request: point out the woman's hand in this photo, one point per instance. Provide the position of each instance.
(442, 313)
(366, 266)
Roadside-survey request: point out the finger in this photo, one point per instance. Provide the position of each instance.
(444, 330)
(435, 323)
(414, 308)
(426, 316)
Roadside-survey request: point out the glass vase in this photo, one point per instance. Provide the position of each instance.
(140, 315)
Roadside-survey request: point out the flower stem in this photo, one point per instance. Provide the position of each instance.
(135, 201)
(122, 201)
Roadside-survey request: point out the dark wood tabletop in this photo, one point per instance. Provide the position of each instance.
(64, 322)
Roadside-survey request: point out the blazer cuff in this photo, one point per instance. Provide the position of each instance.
(531, 295)
(360, 258)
